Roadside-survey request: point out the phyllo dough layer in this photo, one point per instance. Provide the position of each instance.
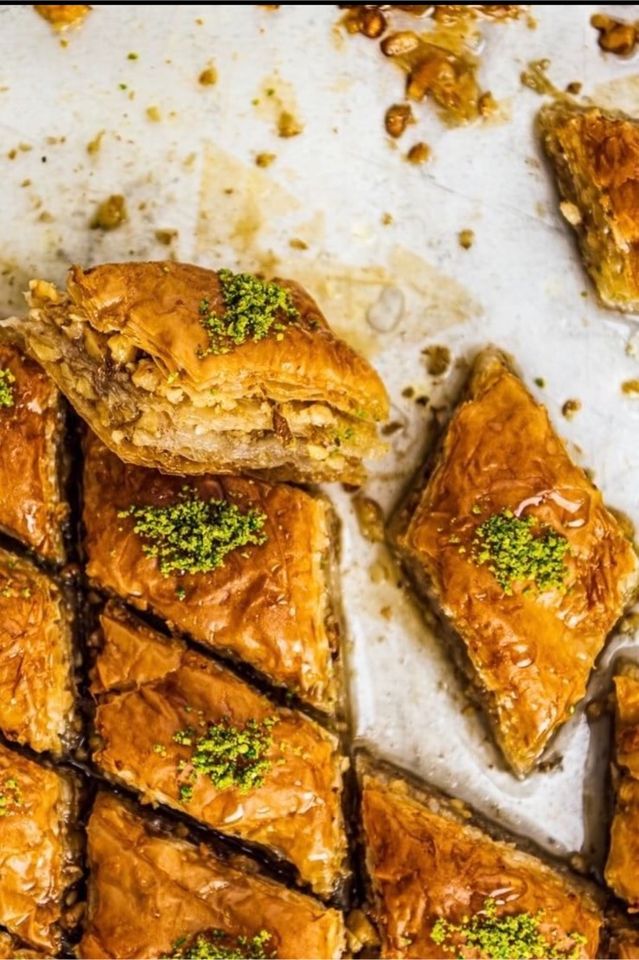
(38, 855)
(268, 604)
(36, 658)
(595, 157)
(142, 352)
(148, 893)
(622, 868)
(442, 887)
(32, 507)
(517, 549)
(160, 705)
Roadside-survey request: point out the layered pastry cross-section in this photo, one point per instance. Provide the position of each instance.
(38, 850)
(622, 868)
(186, 732)
(193, 371)
(154, 896)
(36, 658)
(443, 887)
(514, 545)
(32, 507)
(595, 158)
(240, 565)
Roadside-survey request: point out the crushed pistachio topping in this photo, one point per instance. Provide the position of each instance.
(219, 945)
(7, 380)
(194, 535)
(515, 936)
(514, 551)
(10, 796)
(228, 754)
(252, 308)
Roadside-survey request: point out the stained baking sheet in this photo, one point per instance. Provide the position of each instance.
(183, 155)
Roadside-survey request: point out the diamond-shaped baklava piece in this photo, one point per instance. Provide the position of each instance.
(38, 850)
(188, 733)
(153, 895)
(36, 658)
(441, 886)
(622, 868)
(32, 507)
(515, 546)
(240, 565)
(595, 157)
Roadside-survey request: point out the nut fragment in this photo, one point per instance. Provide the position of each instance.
(397, 119)
(400, 43)
(615, 36)
(372, 23)
(418, 153)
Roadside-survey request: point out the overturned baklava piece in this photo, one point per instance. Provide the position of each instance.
(152, 895)
(240, 565)
(622, 868)
(595, 157)
(514, 545)
(441, 886)
(209, 745)
(191, 371)
(36, 658)
(38, 850)
(32, 506)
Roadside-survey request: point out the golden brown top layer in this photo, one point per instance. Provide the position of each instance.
(596, 159)
(36, 672)
(623, 856)
(35, 857)
(146, 891)
(156, 306)
(30, 506)
(532, 649)
(426, 863)
(162, 689)
(266, 605)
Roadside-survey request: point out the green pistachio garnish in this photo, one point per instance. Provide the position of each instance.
(7, 380)
(194, 535)
(513, 552)
(219, 945)
(252, 308)
(228, 754)
(10, 796)
(515, 936)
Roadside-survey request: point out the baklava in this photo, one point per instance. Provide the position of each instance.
(516, 548)
(622, 874)
(193, 371)
(38, 851)
(595, 157)
(240, 565)
(36, 658)
(210, 746)
(151, 895)
(441, 886)
(32, 506)
(623, 942)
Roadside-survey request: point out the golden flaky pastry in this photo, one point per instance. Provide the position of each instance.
(38, 854)
(36, 658)
(32, 507)
(158, 688)
(148, 891)
(437, 879)
(144, 353)
(622, 874)
(268, 604)
(515, 546)
(595, 157)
